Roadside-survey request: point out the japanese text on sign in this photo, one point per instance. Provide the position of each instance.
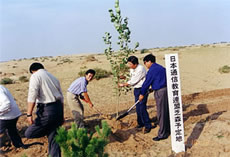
(175, 102)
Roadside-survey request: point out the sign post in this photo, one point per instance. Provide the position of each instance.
(175, 102)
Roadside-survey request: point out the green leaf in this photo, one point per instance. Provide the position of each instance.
(137, 45)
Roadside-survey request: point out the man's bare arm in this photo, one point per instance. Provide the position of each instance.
(30, 111)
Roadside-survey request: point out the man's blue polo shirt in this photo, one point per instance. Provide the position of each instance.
(78, 86)
(156, 77)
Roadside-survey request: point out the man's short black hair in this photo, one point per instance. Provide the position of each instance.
(91, 71)
(149, 57)
(133, 59)
(35, 66)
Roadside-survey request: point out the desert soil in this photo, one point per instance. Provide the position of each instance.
(205, 98)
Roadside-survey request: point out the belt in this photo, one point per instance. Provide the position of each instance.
(41, 106)
(49, 104)
(160, 89)
(78, 95)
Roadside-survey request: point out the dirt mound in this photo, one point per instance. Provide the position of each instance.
(206, 122)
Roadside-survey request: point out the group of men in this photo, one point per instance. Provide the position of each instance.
(141, 82)
(45, 93)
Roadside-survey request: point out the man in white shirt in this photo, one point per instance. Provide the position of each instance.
(138, 73)
(9, 114)
(45, 91)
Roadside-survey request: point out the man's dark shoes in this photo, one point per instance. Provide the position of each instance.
(159, 138)
(147, 130)
(22, 146)
(139, 126)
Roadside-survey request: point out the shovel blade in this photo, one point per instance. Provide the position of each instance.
(122, 116)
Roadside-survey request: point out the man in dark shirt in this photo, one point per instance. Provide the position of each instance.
(156, 77)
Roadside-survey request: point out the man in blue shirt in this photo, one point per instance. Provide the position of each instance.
(74, 94)
(156, 77)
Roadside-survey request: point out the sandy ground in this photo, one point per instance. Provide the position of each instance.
(205, 97)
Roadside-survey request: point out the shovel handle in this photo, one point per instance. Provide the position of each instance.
(127, 112)
(97, 110)
(133, 106)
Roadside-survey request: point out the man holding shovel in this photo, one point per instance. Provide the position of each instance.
(156, 77)
(138, 73)
(74, 94)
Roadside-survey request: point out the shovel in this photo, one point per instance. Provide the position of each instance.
(106, 116)
(127, 112)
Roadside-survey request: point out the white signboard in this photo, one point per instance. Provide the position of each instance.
(175, 102)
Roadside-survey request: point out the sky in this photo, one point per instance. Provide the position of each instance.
(35, 28)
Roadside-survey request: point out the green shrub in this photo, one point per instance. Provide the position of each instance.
(84, 67)
(24, 155)
(54, 60)
(144, 51)
(35, 59)
(62, 60)
(6, 81)
(224, 69)
(77, 142)
(66, 60)
(100, 73)
(23, 79)
(90, 58)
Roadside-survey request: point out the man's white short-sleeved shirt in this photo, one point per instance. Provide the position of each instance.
(44, 87)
